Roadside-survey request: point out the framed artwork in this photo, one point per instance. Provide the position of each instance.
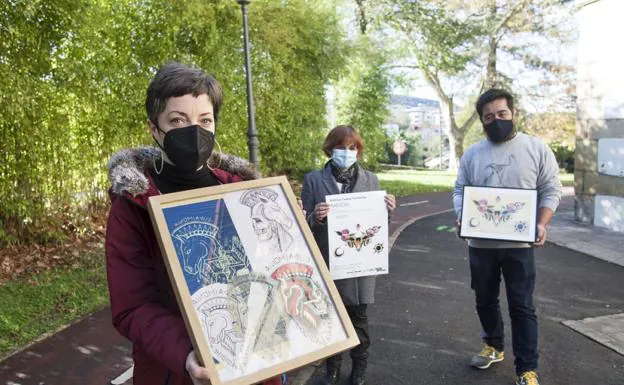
(502, 214)
(254, 291)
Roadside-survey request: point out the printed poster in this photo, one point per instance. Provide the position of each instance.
(358, 234)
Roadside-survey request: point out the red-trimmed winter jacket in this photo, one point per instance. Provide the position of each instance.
(143, 303)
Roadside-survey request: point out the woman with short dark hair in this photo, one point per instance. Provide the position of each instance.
(343, 174)
(183, 106)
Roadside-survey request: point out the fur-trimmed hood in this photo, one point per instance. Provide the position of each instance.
(127, 169)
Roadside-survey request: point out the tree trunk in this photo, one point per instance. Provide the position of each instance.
(361, 16)
(457, 148)
(455, 134)
(491, 74)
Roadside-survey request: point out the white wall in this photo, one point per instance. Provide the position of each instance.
(600, 90)
(600, 80)
(611, 157)
(610, 212)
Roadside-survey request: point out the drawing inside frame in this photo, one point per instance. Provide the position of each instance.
(503, 214)
(256, 296)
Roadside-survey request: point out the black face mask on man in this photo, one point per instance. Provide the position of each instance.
(499, 130)
(187, 147)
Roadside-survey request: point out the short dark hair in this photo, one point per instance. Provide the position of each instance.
(340, 135)
(491, 95)
(176, 79)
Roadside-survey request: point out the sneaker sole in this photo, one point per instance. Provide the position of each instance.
(489, 363)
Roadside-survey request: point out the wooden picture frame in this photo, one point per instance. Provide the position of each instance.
(254, 291)
(501, 214)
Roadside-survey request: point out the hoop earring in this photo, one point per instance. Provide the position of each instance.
(162, 164)
(220, 157)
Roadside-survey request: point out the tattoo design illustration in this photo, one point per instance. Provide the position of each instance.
(358, 238)
(305, 301)
(496, 213)
(257, 295)
(379, 248)
(520, 227)
(222, 319)
(208, 255)
(270, 223)
(253, 316)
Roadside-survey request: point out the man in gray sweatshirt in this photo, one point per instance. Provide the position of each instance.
(509, 159)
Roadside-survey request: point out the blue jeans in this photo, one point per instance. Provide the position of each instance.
(518, 269)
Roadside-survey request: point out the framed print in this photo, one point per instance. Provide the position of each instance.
(502, 214)
(252, 286)
(357, 225)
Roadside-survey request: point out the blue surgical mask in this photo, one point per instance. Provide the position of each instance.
(344, 158)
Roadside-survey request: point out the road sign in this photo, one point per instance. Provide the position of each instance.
(399, 147)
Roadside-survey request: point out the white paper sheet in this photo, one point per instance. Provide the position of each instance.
(357, 226)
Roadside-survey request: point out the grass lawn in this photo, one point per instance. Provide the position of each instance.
(411, 182)
(40, 304)
(567, 179)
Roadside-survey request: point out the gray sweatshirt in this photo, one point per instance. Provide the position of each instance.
(523, 162)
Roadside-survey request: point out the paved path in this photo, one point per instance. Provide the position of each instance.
(597, 241)
(424, 325)
(425, 329)
(91, 352)
(88, 352)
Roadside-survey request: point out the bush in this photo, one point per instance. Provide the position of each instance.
(565, 156)
(75, 74)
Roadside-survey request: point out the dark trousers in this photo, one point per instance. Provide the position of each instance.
(518, 269)
(359, 319)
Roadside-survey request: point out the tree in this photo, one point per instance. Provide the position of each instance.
(363, 92)
(449, 40)
(363, 103)
(32, 108)
(553, 127)
(415, 150)
(75, 74)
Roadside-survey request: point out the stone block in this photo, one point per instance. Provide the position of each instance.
(614, 129)
(599, 128)
(586, 155)
(584, 126)
(584, 209)
(594, 184)
(578, 181)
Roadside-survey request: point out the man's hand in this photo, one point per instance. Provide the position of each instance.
(541, 235)
(544, 216)
(457, 228)
(199, 375)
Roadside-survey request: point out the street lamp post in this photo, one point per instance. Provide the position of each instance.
(252, 135)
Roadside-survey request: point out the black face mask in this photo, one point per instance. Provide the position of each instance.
(188, 147)
(499, 130)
